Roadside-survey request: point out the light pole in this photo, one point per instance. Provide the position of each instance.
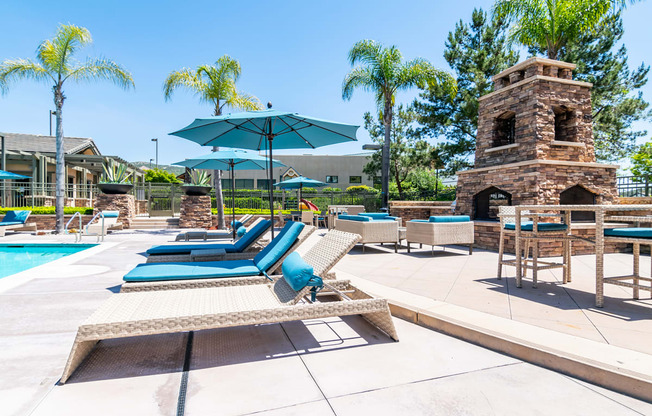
(150, 163)
(156, 140)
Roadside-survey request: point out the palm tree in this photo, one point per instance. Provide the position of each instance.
(550, 24)
(214, 84)
(383, 72)
(55, 63)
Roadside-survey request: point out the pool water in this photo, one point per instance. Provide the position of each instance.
(16, 258)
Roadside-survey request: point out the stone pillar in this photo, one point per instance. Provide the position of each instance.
(195, 212)
(122, 203)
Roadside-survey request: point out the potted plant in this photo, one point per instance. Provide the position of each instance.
(115, 180)
(200, 184)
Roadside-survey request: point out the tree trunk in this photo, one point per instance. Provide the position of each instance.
(60, 163)
(387, 119)
(219, 197)
(399, 182)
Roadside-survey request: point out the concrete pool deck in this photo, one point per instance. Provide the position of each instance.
(332, 366)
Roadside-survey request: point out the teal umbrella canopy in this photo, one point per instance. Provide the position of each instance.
(300, 182)
(252, 129)
(223, 159)
(8, 175)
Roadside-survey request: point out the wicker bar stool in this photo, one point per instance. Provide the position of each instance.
(531, 233)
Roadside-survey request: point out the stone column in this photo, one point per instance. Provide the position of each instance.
(122, 203)
(195, 212)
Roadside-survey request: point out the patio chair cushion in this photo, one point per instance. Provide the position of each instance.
(15, 217)
(187, 248)
(419, 221)
(241, 231)
(5, 223)
(236, 224)
(542, 226)
(278, 246)
(449, 218)
(150, 272)
(111, 214)
(252, 235)
(637, 232)
(296, 272)
(374, 215)
(355, 218)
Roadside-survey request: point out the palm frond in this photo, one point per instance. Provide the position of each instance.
(365, 52)
(186, 78)
(244, 101)
(360, 77)
(102, 69)
(12, 70)
(421, 73)
(55, 54)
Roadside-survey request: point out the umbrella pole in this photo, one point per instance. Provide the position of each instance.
(300, 189)
(233, 199)
(270, 139)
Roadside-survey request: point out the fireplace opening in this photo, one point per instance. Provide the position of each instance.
(487, 203)
(505, 129)
(578, 195)
(564, 124)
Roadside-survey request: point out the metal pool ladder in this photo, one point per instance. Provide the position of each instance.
(78, 234)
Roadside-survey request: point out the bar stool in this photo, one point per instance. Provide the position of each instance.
(531, 233)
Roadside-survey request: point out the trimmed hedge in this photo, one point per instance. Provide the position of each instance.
(244, 211)
(49, 210)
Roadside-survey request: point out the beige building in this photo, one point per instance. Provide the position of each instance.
(338, 171)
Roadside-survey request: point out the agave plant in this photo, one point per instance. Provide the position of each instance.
(115, 174)
(200, 178)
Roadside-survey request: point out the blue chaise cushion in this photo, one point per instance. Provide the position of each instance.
(354, 218)
(296, 271)
(241, 231)
(187, 248)
(449, 218)
(111, 214)
(151, 272)
(628, 232)
(542, 226)
(236, 224)
(278, 246)
(252, 235)
(15, 217)
(374, 215)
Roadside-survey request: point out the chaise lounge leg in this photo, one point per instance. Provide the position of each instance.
(395, 247)
(637, 255)
(80, 350)
(408, 246)
(501, 247)
(470, 249)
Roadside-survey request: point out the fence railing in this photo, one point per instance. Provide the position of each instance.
(633, 186)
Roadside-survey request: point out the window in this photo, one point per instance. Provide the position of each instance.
(226, 183)
(564, 129)
(331, 179)
(355, 179)
(505, 129)
(263, 183)
(244, 184)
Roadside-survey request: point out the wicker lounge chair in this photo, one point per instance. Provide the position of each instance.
(265, 262)
(441, 231)
(16, 221)
(182, 252)
(228, 303)
(214, 235)
(370, 230)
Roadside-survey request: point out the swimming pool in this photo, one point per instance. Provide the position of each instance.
(16, 258)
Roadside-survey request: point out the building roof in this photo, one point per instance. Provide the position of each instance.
(19, 142)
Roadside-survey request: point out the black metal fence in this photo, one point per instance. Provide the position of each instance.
(632, 186)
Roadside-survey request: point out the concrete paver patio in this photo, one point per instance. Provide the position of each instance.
(325, 367)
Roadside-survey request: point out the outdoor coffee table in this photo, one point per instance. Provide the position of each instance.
(205, 254)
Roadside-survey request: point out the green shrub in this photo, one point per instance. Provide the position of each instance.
(359, 189)
(160, 176)
(331, 190)
(243, 211)
(50, 210)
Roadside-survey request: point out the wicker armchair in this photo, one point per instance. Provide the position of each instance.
(371, 231)
(440, 233)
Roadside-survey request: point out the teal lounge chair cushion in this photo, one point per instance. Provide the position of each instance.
(151, 272)
(628, 232)
(187, 248)
(111, 214)
(449, 218)
(251, 236)
(354, 218)
(236, 224)
(15, 217)
(241, 231)
(542, 226)
(374, 215)
(296, 272)
(419, 221)
(278, 246)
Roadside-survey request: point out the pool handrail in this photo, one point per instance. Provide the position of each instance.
(78, 233)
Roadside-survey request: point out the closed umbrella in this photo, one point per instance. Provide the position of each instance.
(266, 130)
(298, 183)
(229, 160)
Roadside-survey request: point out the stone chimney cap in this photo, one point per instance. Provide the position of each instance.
(533, 61)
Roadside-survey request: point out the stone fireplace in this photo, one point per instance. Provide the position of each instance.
(534, 144)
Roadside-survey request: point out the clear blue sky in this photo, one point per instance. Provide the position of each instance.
(292, 53)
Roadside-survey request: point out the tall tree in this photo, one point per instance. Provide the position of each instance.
(55, 63)
(642, 161)
(616, 97)
(550, 24)
(214, 84)
(475, 51)
(383, 72)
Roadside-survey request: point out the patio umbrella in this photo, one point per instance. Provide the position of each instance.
(265, 130)
(298, 183)
(8, 175)
(229, 160)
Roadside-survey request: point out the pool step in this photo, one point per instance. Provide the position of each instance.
(145, 223)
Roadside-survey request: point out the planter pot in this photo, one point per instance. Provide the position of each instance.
(196, 190)
(115, 188)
